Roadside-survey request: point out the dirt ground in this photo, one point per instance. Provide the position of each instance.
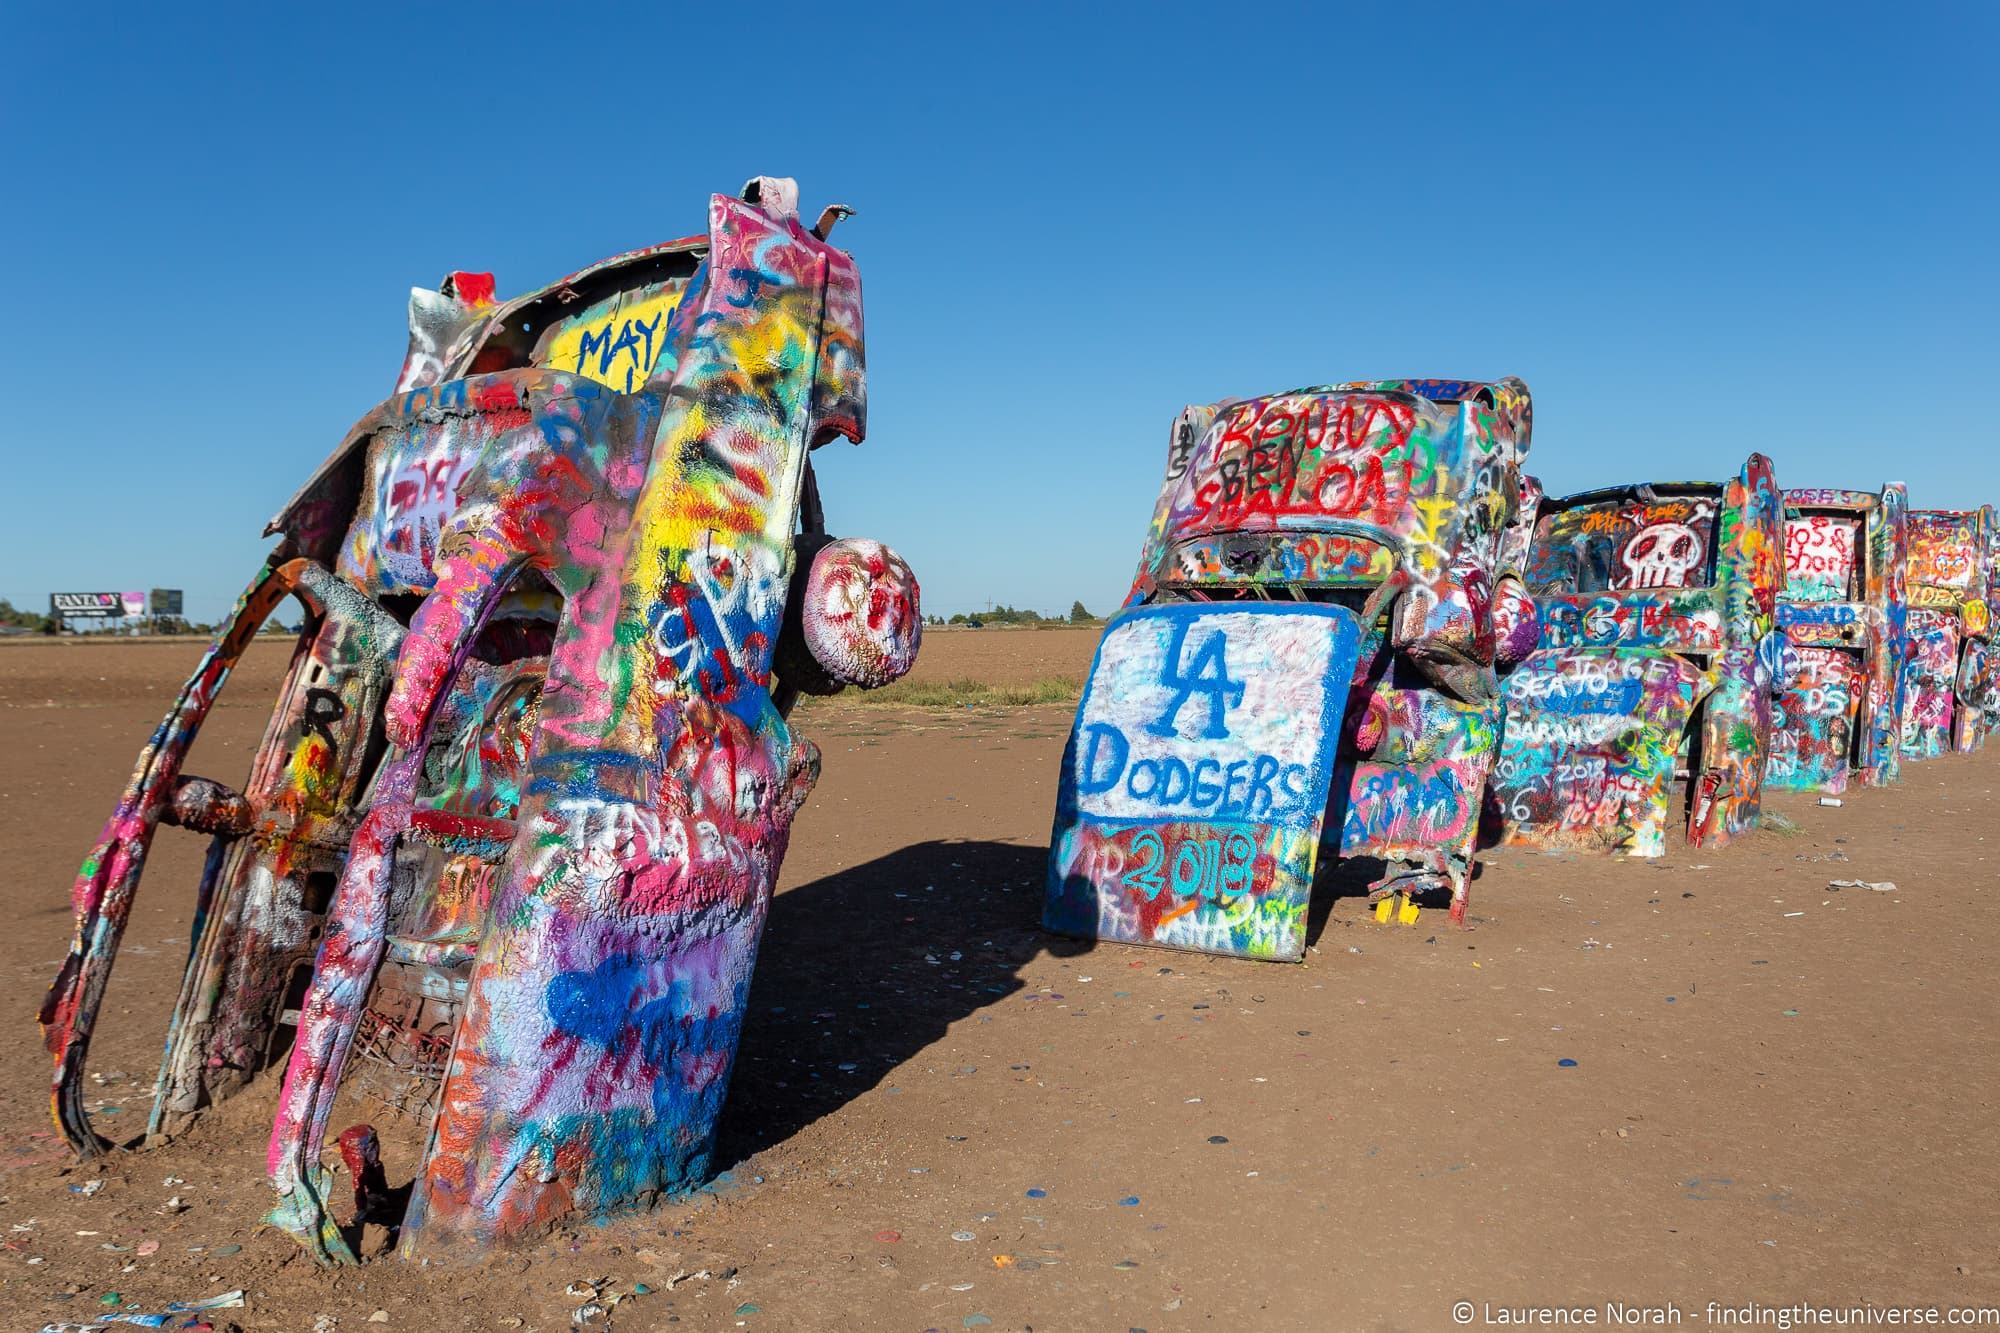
(943, 1118)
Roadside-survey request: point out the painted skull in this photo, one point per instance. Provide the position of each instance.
(1660, 556)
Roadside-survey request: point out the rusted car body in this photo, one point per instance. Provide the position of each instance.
(1311, 641)
(504, 855)
(1986, 681)
(1657, 604)
(1838, 714)
(1951, 701)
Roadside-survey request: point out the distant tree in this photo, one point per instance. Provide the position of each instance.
(21, 619)
(1077, 613)
(1004, 614)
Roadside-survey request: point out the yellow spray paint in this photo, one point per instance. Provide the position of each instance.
(617, 343)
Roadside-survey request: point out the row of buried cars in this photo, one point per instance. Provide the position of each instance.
(1362, 637)
(497, 876)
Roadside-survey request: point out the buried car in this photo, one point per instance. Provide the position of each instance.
(504, 855)
(1951, 698)
(1309, 651)
(1838, 714)
(1656, 605)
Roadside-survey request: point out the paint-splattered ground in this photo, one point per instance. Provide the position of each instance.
(944, 1119)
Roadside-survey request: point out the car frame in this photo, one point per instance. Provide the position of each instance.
(1951, 701)
(1657, 605)
(508, 844)
(1844, 614)
(1378, 514)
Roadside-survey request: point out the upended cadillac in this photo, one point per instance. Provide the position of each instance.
(1310, 649)
(1656, 669)
(506, 850)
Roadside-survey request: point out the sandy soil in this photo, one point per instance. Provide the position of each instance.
(1780, 1093)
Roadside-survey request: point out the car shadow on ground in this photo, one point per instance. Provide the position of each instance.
(862, 969)
(1337, 878)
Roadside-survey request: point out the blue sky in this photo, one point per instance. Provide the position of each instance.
(1694, 230)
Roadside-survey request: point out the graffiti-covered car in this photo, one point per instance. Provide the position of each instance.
(1985, 681)
(1951, 698)
(1657, 605)
(1309, 650)
(1838, 714)
(503, 858)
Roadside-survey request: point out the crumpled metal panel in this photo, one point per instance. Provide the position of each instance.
(1413, 773)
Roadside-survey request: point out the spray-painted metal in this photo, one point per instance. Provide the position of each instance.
(1838, 714)
(1309, 649)
(1657, 662)
(1985, 681)
(507, 847)
(1953, 697)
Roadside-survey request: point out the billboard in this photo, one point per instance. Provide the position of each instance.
(86, 605)
(167, 602)
(65, 607)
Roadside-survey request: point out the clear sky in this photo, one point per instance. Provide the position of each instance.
(1694, 230)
